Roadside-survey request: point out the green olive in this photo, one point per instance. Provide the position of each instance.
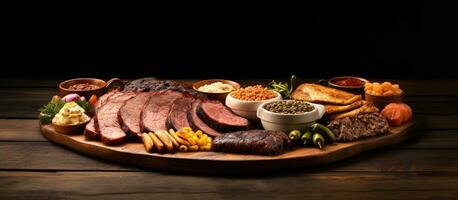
(318, 140)
(294, 135)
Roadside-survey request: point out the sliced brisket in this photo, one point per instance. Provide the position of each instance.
(196, 123)
(252, 142)
(177, 117)
(154, 114)
(359, 126)
(104, 98)
(90, 130)
(130, 112)
(107, 120)
(219, 117)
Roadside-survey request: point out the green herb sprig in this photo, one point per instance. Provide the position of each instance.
(283, 88)
(85, 105)
(48, 111)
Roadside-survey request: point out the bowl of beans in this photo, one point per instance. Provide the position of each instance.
(88, 86)
(245, 101)
(288, 115)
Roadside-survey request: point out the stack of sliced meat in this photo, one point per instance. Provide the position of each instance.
(132, 112)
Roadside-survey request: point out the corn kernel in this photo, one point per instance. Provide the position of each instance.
(194, 148)
(199, 133)
(205, 136)
(187, 129)
(205, 148)
(202, 142)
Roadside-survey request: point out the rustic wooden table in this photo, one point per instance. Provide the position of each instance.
(423, 168)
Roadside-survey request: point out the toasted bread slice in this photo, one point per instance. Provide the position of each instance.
(332, 108)
(368, 107)
(317, 93)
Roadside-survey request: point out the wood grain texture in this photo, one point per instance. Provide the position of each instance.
(17, 130)
(146, 185)
(45, 156)
(134, 154)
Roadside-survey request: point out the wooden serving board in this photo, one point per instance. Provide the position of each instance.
(134, 154)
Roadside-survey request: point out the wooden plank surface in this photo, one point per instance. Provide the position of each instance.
(145, 185)
(48, 156)
(421, 168)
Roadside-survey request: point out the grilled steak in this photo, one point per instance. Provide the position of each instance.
(359, 126)
(219, 117)
(177, 118)
(196, 123)
(130, 112)
(253, 141)
(90, 130)
(107, 121)
(154, 114)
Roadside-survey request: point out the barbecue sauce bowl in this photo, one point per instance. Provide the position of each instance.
(336, 83)
(100, 86)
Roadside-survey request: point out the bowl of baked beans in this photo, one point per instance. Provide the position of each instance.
(88, 86)
(245, 101)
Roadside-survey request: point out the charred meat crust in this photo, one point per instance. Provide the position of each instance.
(359, 126)
(252, 142)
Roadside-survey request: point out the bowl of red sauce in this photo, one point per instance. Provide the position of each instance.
(351, 84)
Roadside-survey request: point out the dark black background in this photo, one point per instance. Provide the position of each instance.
(317, 39)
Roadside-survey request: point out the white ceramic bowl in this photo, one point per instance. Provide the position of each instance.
(288, 122)
(245, 108)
